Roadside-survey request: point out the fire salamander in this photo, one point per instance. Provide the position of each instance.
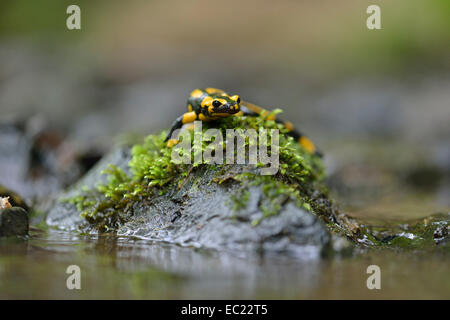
(212, 104)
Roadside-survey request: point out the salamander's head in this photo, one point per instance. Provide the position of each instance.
(222, 105)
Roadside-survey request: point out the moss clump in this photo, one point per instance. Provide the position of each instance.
(152, 171)
(295, 162)
(109, 204)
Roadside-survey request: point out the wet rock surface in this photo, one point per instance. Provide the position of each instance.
(200, 214)
(441, 234)
(206, 220)
(13, 222)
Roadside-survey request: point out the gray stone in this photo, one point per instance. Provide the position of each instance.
(13, 222)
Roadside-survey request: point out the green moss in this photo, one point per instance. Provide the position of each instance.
(417, 234)
(151, 172)
(295, 162)
(240, 200)
(276, 194)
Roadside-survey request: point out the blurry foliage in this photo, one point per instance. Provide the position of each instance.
(39, 18)
(329, 36)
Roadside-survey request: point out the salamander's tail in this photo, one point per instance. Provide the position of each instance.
(305, 142)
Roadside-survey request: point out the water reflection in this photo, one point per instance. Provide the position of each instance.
(123, 268)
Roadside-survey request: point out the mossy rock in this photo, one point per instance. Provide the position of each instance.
(139, 191)
(429, 233)
(13, 222)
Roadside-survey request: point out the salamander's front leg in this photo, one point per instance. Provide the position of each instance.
(188, 117)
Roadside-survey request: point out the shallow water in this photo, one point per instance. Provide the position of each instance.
(121, 268)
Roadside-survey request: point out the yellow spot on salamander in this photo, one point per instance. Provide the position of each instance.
(172, 142)
(206, 102)
(222, 115)
(307, 144)
(289, 126)
(189, 117)
(267, 114)
(253, 107)
(202, 117)
(214, 91)
(196, 93)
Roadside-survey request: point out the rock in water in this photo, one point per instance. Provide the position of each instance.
(13, 222)
(146, 194)
(201, 214)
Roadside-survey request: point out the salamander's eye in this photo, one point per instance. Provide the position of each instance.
(236, 98)
(216, 103)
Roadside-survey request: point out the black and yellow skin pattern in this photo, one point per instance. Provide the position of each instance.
(205, 105)
(212, 104)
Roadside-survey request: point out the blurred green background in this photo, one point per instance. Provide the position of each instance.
(325, 37)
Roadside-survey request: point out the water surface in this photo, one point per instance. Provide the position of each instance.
(122, 268)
